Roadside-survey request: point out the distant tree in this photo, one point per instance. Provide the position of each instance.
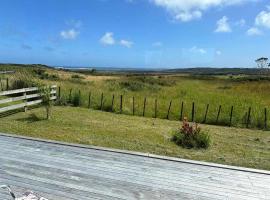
(262, 63)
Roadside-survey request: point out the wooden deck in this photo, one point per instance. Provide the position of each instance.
(61, 172)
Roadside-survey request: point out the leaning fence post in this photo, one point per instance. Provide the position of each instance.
(193, 111)
(205, 115)
(144, 105)
(248, 117)
(133, 105)
(265, 118)
(155, 108)
(101, 101)
(231, 115)
(219, 110)
(121, 104)
(89, 99)
(181, 112)
(112, 103)
(169, 109)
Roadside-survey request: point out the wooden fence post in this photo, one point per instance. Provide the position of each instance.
(144, 105)
(101, 101)
(231, 115)
(265, 118)
(121, 104)
(25, 101)
(193, 112)
(181, 112)
(155, 108)
(248, 117)
(59, 92)
(219, 110)
(80, 99)
(112, 103)
(133, 105)
(7, 84)
(89, 99)
(1, 87)
(169, 109)
(205, 115)
(70, 93)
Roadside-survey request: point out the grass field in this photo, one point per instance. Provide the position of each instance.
(240, 91)
(233, 146)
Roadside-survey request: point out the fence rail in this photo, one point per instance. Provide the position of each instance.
(23, 95)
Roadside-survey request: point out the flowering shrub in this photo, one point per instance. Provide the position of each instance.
(191, 136)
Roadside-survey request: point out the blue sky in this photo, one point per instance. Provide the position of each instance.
(135, 33)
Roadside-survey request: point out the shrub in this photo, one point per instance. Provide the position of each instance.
(191, 136)
(76, 76)
(132, 85)
(76, 99)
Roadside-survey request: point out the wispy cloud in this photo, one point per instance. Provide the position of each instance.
(126, 43)
(196, 49)
(223, 25)
(69, 34)
(253, 31)
(107, 39)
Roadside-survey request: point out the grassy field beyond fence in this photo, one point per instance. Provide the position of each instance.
(228, 114)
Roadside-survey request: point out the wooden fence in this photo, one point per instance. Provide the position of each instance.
(22, 98)
(4, 84)
(218, 116)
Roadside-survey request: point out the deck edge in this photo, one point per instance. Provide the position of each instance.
(148, 155)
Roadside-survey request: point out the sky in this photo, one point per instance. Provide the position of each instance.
(135, 33)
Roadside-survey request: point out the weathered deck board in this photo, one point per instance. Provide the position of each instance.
(68, 172)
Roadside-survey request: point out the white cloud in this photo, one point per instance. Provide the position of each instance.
(223, 25)
(254, 31)
(195, 49)
(107, 39)
(69, 34)
(187, 10)
(126, 43)
(157, 44)
(263, 19)
(241, 22)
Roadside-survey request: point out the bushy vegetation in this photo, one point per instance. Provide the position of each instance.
(76, 76)
(76, 99)
(191, 136)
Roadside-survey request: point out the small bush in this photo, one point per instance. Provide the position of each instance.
(76, 99)
(76, 76)
(132, 85)
(190, 136)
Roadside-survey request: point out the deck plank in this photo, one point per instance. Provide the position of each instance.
(70, 172)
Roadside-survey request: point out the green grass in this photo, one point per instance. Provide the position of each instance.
(226, 91)
(233, 146)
